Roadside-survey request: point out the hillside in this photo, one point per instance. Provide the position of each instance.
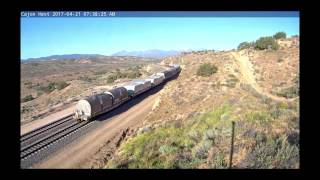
(49, 86)
(190, 123)
(65, 57)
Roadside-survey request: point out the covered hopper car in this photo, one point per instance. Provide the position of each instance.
(97, 104)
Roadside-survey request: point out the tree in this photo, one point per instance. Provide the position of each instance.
(280, 35)
(266, 43)
(244, 45)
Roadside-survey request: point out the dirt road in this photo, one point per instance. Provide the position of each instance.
(246, 69)
(81, 153)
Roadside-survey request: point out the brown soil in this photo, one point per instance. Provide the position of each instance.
(246, 69)
(88, 151)
(46, 120)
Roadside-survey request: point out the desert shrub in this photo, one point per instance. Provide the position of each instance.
(266, 43)
(258, 117)
(206, 69)
(219, 162)
(280, 35)
(51, 87)
(245, 45)
(85, 78)
(131, 73)
(274, 153)
(232, 81)
(61, 84)
(290, 92)
(280, 60)
(25, 109)
(111, 78)
(28, 83)
(194, 135)
(28, 98)
(201, 150)
(209, 135)
(48, 88)
(100, 72)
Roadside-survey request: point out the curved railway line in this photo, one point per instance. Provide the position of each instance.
(59, 132)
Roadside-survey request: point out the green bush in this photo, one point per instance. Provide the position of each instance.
(111, 78)
(232, 81)
(275, 153)
(206, 70)
(85, 78)
(51, 87)
(280, 35)
(245, 45)
(61, 84)
(47, 89)
(258, 117)
(28, 98)
(266, 43)
(131, 73)
(290, 92)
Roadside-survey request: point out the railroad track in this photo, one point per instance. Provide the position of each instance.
(44, 128)
(44, 136)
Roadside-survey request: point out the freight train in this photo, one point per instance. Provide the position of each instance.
(97, 104)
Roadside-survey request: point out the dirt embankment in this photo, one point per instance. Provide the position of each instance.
(46, 120)
(246, 69)
(94, 149)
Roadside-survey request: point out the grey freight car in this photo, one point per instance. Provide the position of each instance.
(155, 79)
(168, 73)
(92, 106)
(119, 94)
(137, 87)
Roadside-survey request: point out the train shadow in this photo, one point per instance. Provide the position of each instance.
(132, 102)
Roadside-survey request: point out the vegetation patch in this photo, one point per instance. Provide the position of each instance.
(28, 98)
(51, 86)
(206, 70)
(291, 92)
(280, 35)
(232, 81)
(266, 43)
(274, 153)
(173, 147)
(130, 73)
(262, 43)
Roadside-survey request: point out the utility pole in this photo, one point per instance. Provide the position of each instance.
(231, 149)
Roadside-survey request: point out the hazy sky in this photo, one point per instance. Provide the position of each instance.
(51, 36)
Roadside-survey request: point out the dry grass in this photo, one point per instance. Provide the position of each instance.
(267, 132)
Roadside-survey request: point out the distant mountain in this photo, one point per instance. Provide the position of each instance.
(64, 57)
(154, 53)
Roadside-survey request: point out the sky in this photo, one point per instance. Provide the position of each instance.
(47, 36)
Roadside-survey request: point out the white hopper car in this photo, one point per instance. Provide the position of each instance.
(137, 87)
(156, 79)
